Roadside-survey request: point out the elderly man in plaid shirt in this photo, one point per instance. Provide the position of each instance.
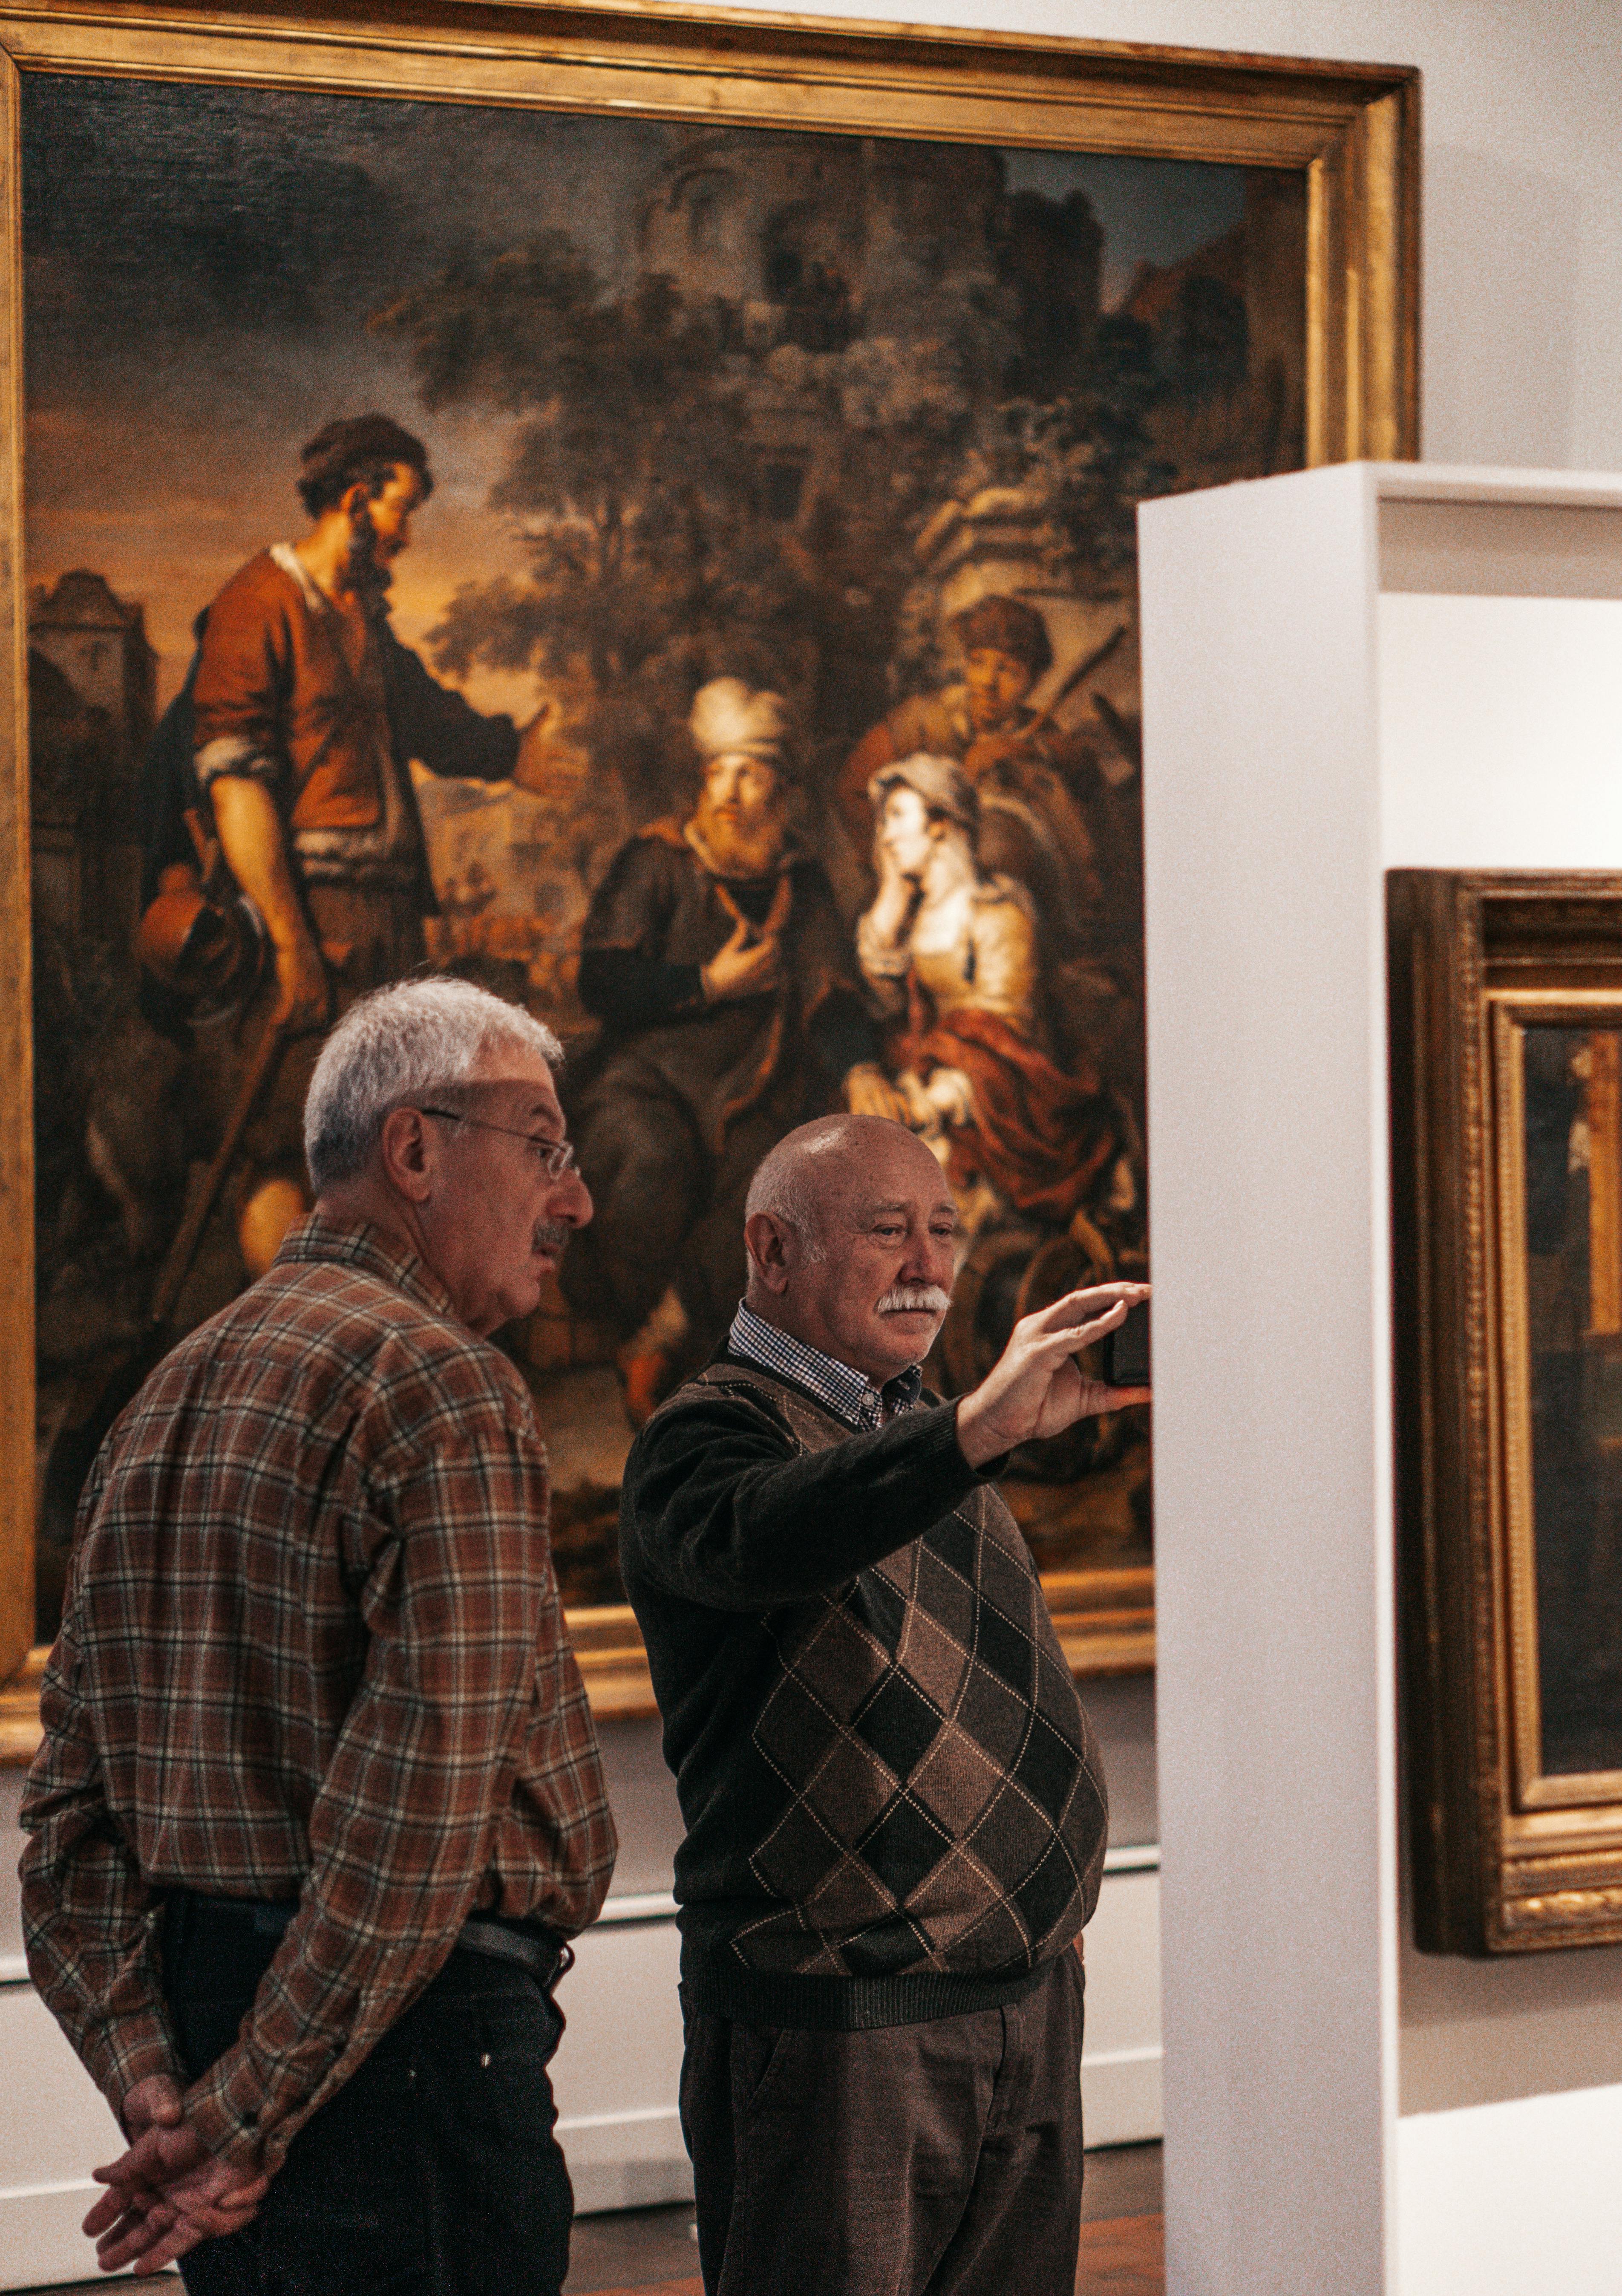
(319, 1804)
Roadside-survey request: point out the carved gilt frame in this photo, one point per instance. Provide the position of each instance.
(1352, 130)
(1506, 1855)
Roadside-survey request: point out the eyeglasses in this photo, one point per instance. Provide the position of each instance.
(555, 1157)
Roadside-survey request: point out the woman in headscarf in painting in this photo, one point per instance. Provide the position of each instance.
(951, 956)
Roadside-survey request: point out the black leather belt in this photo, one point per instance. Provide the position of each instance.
(529, 1945)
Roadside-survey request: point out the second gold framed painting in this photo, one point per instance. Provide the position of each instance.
(771, 392)
(1506, 1041)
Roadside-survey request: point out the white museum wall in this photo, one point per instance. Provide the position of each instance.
(1500, 736)
(1512, 758)
(1426, 2123)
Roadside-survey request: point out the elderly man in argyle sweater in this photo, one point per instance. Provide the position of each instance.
(895, 1812)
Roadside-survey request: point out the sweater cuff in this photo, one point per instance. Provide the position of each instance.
(989, 1470)
(941, 1454)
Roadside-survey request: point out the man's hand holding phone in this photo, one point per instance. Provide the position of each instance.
(1036, 1388)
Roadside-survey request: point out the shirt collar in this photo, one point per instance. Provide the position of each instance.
(849, 1394)
(287, 558)
(285, 555)
(358, 1243)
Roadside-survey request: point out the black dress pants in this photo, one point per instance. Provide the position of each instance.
(432, 2172)
(934, 2160)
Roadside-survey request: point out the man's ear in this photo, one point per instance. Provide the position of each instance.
(770, 1245)
(407, 1153)
(355, 499)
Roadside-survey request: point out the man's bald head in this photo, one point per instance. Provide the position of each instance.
(851, 1227)
(813, 1166)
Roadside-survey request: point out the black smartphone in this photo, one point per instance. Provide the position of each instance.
(1125, 1349)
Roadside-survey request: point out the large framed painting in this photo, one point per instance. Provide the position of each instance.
(1506, 1009)
(772, 400)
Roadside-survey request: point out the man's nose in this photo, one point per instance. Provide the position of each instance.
(571, 1201)
(929, 1260)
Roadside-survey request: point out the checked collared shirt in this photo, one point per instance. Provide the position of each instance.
(313, 1649)
(849, 1393)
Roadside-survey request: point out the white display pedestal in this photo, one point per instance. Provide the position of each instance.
(1346, 672)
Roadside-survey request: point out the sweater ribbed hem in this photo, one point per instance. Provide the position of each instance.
(841, 2004)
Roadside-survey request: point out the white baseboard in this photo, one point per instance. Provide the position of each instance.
(41, 2244)
(1120, 2096)
(1121, 2054)
(54, 2127)
(626, 2160)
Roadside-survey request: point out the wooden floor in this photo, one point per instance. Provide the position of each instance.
(1120, 2257)
(1123, 2256)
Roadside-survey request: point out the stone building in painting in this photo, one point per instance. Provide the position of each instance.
(857, 272)
(91, 713)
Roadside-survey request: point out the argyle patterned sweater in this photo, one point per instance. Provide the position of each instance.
(894, 1803)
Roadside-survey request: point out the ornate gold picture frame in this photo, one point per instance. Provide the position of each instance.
(1347, 137)
(1506, 1012)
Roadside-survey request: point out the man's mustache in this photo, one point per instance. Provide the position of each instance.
(914, 1299)
(550, 1235)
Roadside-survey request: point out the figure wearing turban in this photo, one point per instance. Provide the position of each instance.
(1048, 818)
(715, 958)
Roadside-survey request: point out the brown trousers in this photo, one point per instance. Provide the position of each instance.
(934, 2160)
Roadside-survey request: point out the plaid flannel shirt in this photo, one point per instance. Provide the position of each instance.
(313, 1649)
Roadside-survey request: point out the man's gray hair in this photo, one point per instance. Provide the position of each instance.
(407, 1042)
(779, 1187)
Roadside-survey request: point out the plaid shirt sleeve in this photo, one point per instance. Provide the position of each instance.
(92, 1943)
(459, 1600)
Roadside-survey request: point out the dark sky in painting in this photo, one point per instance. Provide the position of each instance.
(200, 265)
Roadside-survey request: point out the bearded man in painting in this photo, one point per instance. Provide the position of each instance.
(308, 711)
(716, 961)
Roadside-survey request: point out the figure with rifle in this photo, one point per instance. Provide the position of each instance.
(1050, 818)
